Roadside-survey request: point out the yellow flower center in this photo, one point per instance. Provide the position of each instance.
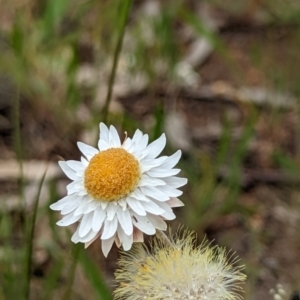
(111, 174)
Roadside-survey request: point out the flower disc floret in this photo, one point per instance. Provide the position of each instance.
(111, 174)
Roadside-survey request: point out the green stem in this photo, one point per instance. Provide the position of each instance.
(124, 18)
(31, 237)
(17, 139)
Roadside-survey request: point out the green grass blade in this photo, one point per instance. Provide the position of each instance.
(124, 17)
(53, 278)
(54, 12)
(31, 237)
(68, 291)
(95, 277)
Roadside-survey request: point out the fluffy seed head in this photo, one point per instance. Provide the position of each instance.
(111, 174)
(179, 272)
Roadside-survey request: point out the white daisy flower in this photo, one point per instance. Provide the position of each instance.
(120, 191)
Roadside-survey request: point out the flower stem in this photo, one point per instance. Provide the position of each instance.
(17, 142)
(31, 237)
(124, 18)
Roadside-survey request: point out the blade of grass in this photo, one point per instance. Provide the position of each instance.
(159, 120)
(234, 179)
(195, 22)
(53, 196)
(285, 162)
(225, 142)
(95, 277)
(68, 291)
(17, 139)
(7, 276)
(206, 186)
(124, 17)
(52, 279)
(215, 41)
(31, 227)
(53, 15)
(10, 274)
(168, 47)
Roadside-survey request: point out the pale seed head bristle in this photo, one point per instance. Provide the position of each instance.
(179, 272)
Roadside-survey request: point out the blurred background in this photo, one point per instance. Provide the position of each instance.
(220, 78)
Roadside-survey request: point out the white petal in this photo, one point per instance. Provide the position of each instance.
(68, 220)
(83, 192)
(164, 205)
(161, 173)
(171, 161)
(82, 207)
(91, 207)
(111, 211)
(85, 224)
(75, 187)
(104, 132)
(67, 170)
(154, 192)
(126, 240)
(168, 214)
(174, 202)
(110, 228)
(143, 224)
(89, 236)
(122, 202)
(75, 165)
(150, 163)
(70, 207)
(125, 221)
(170, 191)
(147, 180)
(80, 173)
(157, 222)
(75, 237)
(152, 208)
(127, 143)
(84, 161)
(106, 245)
(135, 140)
(87, 150)
(92, 240)
(115, 136)
(136, 206)
(155, 148)
(139, 195)
(117, 241)
(141, 144)
(137, 136)
(138, 236)
(103, 204)
(60, 204)
(139, 155)
(103, 145)
(98, 219)
(175, 182)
